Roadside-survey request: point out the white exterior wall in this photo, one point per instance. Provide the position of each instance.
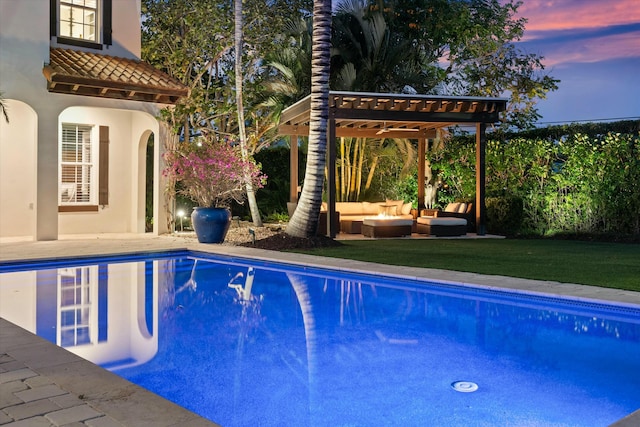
(126, 180)
(29, 143)
(125, 26)
(18, 171)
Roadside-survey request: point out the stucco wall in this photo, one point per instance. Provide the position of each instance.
(18, 145)
(125, 131)
(30, 205)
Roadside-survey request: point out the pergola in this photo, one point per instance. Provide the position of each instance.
(382, 115)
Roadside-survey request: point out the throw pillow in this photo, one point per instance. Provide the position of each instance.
(406, 209)
(452, 207)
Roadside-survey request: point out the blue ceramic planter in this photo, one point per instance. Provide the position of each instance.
(211, 224)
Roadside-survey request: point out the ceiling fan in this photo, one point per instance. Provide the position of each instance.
(385, 129)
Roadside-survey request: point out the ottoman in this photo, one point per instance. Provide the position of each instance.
(386, 227)
(441, 226)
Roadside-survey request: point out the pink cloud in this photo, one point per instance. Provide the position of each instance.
(570, 14)
(598, 49)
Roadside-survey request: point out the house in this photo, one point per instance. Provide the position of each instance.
(82, 117)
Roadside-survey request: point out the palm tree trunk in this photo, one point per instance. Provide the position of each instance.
(304, 222)
(251, 196)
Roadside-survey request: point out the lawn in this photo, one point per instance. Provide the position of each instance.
(611, 265)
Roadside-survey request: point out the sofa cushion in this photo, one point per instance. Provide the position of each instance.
(397, 203)
(369, 208)
(349, 208)
(441, 221)
(452, 207)
(378, 222)
(462, 208)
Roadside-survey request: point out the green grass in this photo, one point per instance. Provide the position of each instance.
(611, 265)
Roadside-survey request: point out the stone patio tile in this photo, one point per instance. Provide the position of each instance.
(31, 409)
(31, 422)
(103, 422)
(66, 401)
(31, 354)
(17, 375)
(12, 365)
(10, 388)
(4, 418)
(38, 381)
(40, 393)
(71, 415)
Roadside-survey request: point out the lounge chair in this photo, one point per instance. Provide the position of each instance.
(455, 210)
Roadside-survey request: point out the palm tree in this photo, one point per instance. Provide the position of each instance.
(3, 108)
(304, 222)
(290, 67)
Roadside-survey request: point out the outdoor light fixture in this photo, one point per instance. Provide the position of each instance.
(180, 214)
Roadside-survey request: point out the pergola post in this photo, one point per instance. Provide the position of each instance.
(422, 145)
(293, 173)
(332, 221)
(481, 143)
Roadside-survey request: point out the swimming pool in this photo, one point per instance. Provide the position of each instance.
(255, 343)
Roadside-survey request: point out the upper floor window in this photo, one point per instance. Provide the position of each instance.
(85, 23)
(79, 19)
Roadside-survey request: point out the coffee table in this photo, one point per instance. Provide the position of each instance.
(386, 227)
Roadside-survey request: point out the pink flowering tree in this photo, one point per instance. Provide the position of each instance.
(211, 173)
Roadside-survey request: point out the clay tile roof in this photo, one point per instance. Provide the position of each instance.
(89, 74)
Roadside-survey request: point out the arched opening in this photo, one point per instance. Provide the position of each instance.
(148, 192)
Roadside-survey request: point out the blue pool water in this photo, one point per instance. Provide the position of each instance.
(247, 343)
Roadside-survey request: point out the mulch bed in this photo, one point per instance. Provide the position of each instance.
(282, 242)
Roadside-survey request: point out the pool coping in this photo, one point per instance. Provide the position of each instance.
(28, 349)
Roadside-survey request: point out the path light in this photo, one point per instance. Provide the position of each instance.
(180, 214)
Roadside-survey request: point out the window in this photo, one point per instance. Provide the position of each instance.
(84, 23)
(77, 311)
(79, 19)
(77, 165)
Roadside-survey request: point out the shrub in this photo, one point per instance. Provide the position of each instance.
(504, 215)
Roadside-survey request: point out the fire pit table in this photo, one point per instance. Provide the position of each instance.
(386, 227)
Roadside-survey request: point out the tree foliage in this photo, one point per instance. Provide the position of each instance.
(193, 41)
(467, 47)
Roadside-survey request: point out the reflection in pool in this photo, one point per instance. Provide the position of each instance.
(252, 343)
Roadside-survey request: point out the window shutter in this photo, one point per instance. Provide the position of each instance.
(106, 22)
(53, 18)
(103, 172)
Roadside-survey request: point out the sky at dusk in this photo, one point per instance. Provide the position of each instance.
(593, 47)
